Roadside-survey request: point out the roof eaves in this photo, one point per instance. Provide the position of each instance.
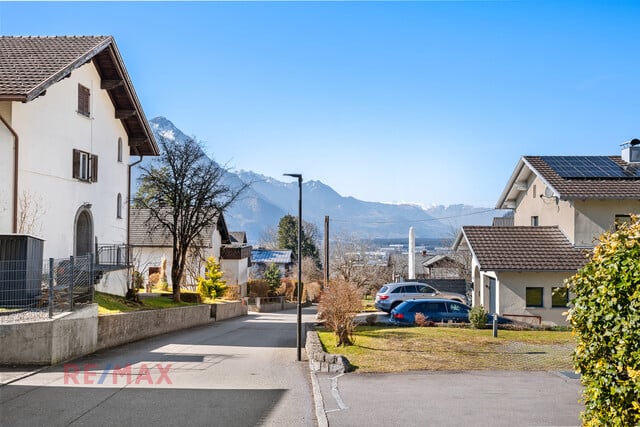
(64, 72)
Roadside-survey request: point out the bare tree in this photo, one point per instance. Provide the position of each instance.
(355, 262)
(30, 210)
(185, 192)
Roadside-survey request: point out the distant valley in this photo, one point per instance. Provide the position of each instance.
(267, 200)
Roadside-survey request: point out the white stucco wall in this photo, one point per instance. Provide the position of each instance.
(549, 210)
(594, 217)
(512, 290)
(49, 129)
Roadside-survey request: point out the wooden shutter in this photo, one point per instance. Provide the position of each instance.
(94, 168)
(83, 100)
(76, 164)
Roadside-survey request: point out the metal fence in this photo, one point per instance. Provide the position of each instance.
(32, 291)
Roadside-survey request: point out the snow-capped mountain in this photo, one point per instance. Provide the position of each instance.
(267, 200)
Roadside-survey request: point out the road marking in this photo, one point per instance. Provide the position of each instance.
(336, 394)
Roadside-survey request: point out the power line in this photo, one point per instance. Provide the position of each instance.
(415, 220)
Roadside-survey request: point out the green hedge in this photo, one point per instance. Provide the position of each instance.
(606, 320)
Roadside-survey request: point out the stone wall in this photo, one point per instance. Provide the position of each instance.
(321, 361)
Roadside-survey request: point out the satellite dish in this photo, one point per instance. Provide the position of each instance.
(548, 192)
(634, 142)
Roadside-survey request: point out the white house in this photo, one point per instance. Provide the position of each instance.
(70, 121)
(150, 243)
(561, 205)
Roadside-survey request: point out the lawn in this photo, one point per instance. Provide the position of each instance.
(109, 304)
(393, 349)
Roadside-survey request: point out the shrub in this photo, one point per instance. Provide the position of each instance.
(232, 293)
(313, 291)
(192, 297)
(339, 305)
(478, 317)
(606, 321)
(257, 288)
(211, 285)
(272, 275)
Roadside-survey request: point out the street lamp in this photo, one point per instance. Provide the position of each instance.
(299, 324)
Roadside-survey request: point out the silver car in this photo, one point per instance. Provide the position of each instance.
(392, 294)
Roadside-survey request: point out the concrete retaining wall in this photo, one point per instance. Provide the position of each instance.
(228, 310)
(48, 342)
(122, 328)
(320, 361)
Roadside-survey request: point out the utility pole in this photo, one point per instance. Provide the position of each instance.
(326, 251)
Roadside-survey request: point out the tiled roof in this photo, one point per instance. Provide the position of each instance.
(268, 256)
(572, 188)
(145, 230)
(29, 65)
(523, 248)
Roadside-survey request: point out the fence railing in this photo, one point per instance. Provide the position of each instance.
(33, 291)
(116, 255)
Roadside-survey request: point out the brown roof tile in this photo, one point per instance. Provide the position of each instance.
(146, 231)
(523, 248)
(571, 188)
(29, 65)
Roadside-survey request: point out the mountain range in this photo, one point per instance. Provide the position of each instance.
(259, 209)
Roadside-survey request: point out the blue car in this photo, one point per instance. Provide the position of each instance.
(436, 310)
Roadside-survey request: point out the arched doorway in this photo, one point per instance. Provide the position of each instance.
(83, 232)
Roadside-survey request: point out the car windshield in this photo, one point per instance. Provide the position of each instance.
(383, 290)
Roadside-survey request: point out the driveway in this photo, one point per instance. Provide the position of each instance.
(239, 372)
(454, 398)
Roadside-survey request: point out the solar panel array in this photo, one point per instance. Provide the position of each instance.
(590, 167)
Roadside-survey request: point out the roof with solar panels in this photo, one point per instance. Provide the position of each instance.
(580, 177)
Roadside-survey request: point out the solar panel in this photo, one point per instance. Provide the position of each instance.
(590, 167)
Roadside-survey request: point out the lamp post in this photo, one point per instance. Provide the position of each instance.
(299, 322)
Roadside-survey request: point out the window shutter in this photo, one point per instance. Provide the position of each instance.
(76, 164)
(83, 100)
(94, 168)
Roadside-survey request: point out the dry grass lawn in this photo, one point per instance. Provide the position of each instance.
(392, 349)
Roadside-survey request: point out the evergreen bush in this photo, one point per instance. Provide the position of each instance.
(606, 319)
(478, 317)
(211, 285)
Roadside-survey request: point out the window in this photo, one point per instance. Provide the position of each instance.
(534, 221)
(410, 289)
(621, 219)
(559, 297)
(119, 206)
(534, 297)
(120, 150)
(398, 290)
(457, 308)
(426, 289)
(85, 166)
(84, 97)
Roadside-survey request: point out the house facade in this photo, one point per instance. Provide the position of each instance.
(561, 205)
(70, 121)
(150, 243)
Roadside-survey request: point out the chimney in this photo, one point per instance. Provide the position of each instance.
(631, 151)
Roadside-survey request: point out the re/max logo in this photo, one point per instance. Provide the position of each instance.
(90, 374)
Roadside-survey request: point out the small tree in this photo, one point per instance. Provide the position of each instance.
(211, 285)
(185, 193)
(272, 275)
(339, 305)
(606, 320)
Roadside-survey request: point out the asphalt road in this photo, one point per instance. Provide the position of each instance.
(239, 372)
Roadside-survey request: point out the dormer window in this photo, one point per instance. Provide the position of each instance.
(84, 98)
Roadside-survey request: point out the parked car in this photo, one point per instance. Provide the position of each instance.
(392, 294)
(436, 310)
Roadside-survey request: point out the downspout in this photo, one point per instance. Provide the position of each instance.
(129, 201)
(14, 224)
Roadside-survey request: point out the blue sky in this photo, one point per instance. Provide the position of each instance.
(423, 102)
